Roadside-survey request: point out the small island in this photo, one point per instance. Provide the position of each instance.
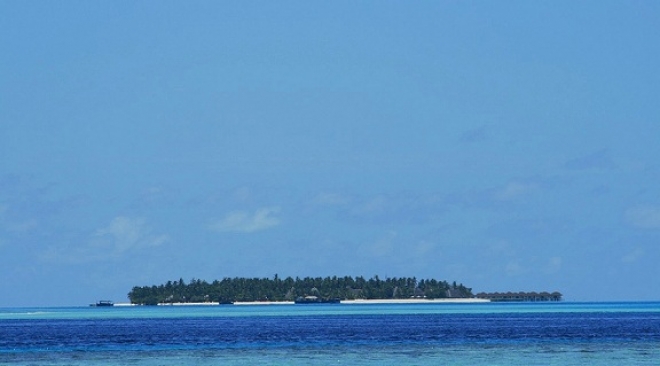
(318, 290)
(297, 290)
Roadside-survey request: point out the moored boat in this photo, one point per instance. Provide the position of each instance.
(316, 300)
(104, 303)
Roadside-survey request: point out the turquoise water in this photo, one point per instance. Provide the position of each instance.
(402, 334)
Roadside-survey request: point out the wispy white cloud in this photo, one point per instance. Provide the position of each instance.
(389, 209)
(120, 237)
(411, 208)
(553, 265)
(125, 233)
(513, 268)
(424, 247)
(152, 197)
(13, 225)
(478, 134)
(598, 160)
(383, 246)
(644, 217)
(331, 199)
(247, 222)
(513, 190)
(633, 256)
(242, 194)
(375, 206)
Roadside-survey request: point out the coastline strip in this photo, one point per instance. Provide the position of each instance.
(346, 302)
(417, 301)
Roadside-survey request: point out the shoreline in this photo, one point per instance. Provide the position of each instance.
(417, 301)
(344, 302)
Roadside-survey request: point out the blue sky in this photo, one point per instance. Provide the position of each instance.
(510, 146)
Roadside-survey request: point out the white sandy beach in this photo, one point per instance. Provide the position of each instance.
(347, 302)
(416, 301)
(265, 303)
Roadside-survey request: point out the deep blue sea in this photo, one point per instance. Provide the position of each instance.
(335, 334)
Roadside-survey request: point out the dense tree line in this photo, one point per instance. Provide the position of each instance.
(277, 289)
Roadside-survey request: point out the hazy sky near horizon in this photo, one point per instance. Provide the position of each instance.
(510, 146)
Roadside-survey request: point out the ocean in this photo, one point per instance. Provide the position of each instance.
(562, 333)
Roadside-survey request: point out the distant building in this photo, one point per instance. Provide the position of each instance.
(454, 293)
(520, 296)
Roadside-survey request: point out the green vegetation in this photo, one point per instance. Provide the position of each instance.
(277, 289)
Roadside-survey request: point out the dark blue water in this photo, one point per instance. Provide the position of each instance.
(289, 335)
(325, 331)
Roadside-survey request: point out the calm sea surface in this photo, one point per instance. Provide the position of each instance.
(402, 334)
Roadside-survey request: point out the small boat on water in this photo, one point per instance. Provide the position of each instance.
(104, 303)
(316, 300)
